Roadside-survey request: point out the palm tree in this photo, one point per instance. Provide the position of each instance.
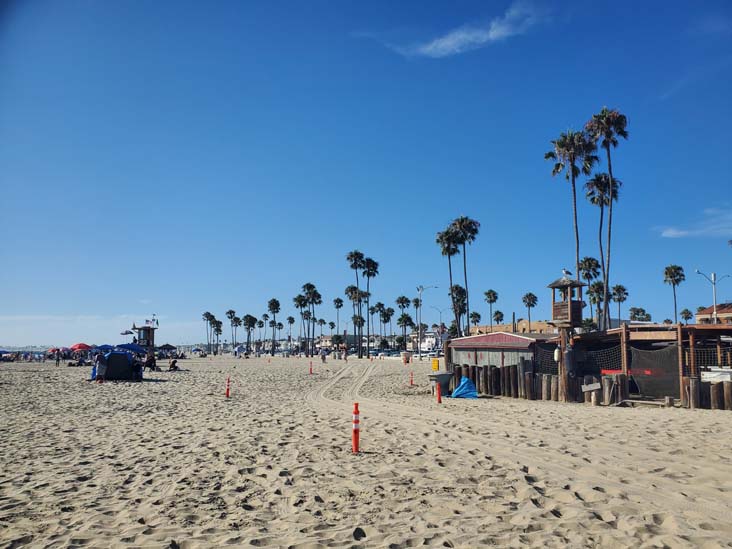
(498, 317)
(589, 270)
(530, 301)
(491, 296)
(207, 319)
(466, 230)
(321, 323)
(686, 315)
(379, 308)
(231, 314)
(218, 330)
(250, 322)
(356, 261)
(265, 321)
(358, 323)
(460, 304)
(386, 317)
(475, 318)
(570, 149)
(290, 322)
(619, 295)
(403, 303)
(600, 191)
(606, 127)
(448, 247)
(332, 326)
(596, 294)
(260, 325)
(338, 304)
(405, 321)
(370, 270)
(274, 307)
(313, 297)
(301, 302)
(674, 275)
(279, 330)
(237, 322)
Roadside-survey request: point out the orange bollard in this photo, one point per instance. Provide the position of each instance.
(356, 429)
(411, 379)
(269, 361)
(438, 388)
(228, 387)
(311, 367)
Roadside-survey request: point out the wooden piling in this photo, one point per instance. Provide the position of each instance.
(520, 380)
(555, 388)
(474, 374)
(685, 391)
(716, 396)
(587, 396)
(496, 376)
(693, 393)
(705, 393)
(529, 385)
(607, 390)
(513, 372)
(668, 402)
(546, 393)
(727, 394)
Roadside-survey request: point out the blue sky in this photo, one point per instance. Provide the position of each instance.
(178, 157)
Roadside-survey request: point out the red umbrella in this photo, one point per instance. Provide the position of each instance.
(52, 350)
(80, 347)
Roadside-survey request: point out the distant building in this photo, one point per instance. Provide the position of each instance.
(522, 327)
(724, 314)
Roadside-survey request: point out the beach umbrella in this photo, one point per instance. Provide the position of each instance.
(196, 350)
(167, 347)
(52, 350)
(80, 347)
(133, 347)
(105, 347)
(4, 352)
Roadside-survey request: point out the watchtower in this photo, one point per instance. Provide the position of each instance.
(146, 334)
(567, 311)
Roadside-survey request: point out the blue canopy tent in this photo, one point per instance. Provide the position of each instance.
(4, 352)
(104, 347)
(132, 347)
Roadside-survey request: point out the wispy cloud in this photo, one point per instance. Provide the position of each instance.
(695, 75)
(715, 222)
(521, 16)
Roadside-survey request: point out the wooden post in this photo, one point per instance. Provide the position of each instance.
(693, 393)
(692, 355)
(624, 349)
(520, 380)
(715, 393)
(484, 376)
(705, 390)
(719, 351)
(727, 393)
(473, 374)
(622, 387)
(587, 396)
(607, 390)
(563, 381)
(680, 348)
(513, 371)
(668, 402)
(555, 388)
(466, 371)
(546, 393)
(685, 391)
(496, 375)
(529, 386)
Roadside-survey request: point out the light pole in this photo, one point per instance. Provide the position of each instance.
(440, 325)
(713, 281)
(420, 289)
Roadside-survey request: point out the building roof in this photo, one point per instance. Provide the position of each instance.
(722, 308)
(499, 340)
(566, 282)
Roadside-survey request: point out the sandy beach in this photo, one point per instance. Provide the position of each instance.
(171, 463)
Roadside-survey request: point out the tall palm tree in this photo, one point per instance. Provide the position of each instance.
(386, 317)
(619, 295)
(332, 326)
(356, 261)
(498, 317)
(491, 296)
(447, 241)
(466, 230)
(290, 322)
(207, 318)
(230, 314)
(338, 304)
(370, 270)
(674, 275)
(301, 302)
(237, 322)
(250, 322)
(573, 153)
(530, 301)
(274, 307)
(601, 191)
(218, 330)
(405, 321)
(686, 315)
(379, 308)
(403, 302)
(460, 304)
(605, 127)
(265, 321)
(260, 325)
(313, 298)
(321, 323)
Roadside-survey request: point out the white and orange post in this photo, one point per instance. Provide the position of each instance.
(411, 379)
(356, 429)
(311, 367)
(228, 387)
(438, 390)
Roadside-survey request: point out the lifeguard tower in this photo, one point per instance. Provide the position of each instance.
(146, 334)
(567, 311)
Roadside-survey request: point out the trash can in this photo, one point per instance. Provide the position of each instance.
(443, 378)
(406, 357)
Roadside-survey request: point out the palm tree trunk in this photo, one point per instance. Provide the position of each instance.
(609, 229)
(467, 299)
(452, 297)
(618, 313)
(490, 319)
(368, 330)
(676, 317)
(602, 264)
(528, 311)
(576, 228)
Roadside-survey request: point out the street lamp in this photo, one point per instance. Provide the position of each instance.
(440, 311)
(420, 289)
(713, 281)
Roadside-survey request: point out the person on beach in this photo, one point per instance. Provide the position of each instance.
(323, 354)
(100, 363)
(58, 357)
(173, 366)
(345, 354)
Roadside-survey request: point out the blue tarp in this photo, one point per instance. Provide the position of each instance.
(466, 389)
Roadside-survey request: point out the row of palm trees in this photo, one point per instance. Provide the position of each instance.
(458, 234)
(574, 153)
